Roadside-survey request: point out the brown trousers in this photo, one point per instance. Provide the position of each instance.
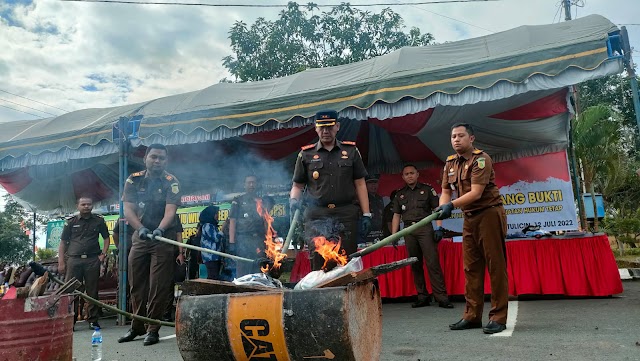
(151, 266)
(86, 270)
(324, 221)
(421, 245)
(483, 245)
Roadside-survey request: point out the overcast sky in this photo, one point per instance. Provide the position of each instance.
(75, 55)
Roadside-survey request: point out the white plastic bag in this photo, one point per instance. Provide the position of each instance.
(316, 278)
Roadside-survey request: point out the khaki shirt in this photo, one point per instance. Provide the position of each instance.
(151, 195)
(329, 175)
(459, 173)
(415, 204)
(81, 235)
(244, 210)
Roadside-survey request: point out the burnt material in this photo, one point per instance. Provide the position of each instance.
(368, 274)
(339, 323)
(203, 286)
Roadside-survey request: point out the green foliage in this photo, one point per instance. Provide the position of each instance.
(15, 245)
(45, 253)
(301, 40)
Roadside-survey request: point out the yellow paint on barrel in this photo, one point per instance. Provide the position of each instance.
(255, 326)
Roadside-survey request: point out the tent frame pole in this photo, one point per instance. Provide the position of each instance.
(122, 229)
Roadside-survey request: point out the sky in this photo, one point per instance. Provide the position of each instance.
(77, 55)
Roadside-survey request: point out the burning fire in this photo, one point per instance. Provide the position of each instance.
(330, 251)
(273, 249)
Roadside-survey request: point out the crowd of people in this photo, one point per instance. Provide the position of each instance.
(338, 200)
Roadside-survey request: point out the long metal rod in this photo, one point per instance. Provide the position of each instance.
(292, 227)
(122, 251)
(196, 248)
(396, 236)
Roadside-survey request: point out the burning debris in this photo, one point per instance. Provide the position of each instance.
(273, 246)
(331, 252)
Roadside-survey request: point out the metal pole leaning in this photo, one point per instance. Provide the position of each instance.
(196, 248)
(292, 227)
(396, 236)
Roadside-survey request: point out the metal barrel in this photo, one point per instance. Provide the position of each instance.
(36, 328)
(335, 323)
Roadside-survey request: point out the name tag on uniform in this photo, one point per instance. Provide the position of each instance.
(451, 174)
(77, 225)
(316, 160)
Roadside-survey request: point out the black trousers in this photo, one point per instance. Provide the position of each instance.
(340, 223)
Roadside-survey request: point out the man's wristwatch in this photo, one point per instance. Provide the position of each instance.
(370, 215)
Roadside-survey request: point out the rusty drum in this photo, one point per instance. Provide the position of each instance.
(334, 323)
(36, 329)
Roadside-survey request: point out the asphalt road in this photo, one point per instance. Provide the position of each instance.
(559, 329)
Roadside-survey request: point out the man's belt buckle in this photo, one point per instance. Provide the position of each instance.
(331, 205)
(83, 256)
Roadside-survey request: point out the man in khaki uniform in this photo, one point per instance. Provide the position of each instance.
(334, 175)
(412, 203)
(470, 173)
(151, 199)
(79, 251)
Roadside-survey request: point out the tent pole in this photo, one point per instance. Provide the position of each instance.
(122, 234)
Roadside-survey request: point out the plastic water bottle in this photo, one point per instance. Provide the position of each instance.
(96, 345)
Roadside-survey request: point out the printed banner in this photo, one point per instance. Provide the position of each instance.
(535, 191)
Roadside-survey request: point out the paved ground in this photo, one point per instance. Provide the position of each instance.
(560, 329)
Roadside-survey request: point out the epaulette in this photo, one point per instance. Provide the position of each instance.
(451, 157)
(70, 218)
(169, 177)
(309, 146)
(477, 151)
(348, 142)
(138, 174)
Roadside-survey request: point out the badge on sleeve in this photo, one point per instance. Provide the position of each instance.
(481, 163)
(174, 188)
(433, 191)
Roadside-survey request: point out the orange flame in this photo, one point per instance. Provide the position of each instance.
(330, 251)
(273, 249)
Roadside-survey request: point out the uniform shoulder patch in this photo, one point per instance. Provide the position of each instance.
(308, 146)
(138, 174)
(169, 177)
(477, 151)
(348, 142)
(451, 157)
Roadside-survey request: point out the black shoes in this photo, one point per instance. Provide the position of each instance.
(94, 325)
(465, 325)
(129, 336)
(493, 327)
(151, 339)
(445, 304)
(421, 303)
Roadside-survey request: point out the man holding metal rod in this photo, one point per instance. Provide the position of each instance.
(151, 199)
(333, 173)
(470, 173)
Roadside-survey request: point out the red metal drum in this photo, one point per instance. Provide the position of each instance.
(36, 329)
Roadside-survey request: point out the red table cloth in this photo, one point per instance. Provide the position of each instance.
(557, 266)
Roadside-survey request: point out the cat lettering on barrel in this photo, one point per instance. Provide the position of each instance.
(255, 334)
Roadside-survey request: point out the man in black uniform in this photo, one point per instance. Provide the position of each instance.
(79, 251)
(413, 203)
(333, 173)
(376, 205)
(151, 199)
(247, 228)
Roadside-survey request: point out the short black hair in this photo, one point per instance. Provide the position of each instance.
(83, 196)
(467, 126)
(251, 175)
(156, 146)
(409, 165)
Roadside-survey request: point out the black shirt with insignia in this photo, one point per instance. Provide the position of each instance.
(415, 204)
(329, 175)
(244, 210)
(81, 235)
(151, 195)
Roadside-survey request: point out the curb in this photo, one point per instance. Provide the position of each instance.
(627, 274)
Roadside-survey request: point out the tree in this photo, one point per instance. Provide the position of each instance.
(597, 136)
(15, 244)
(301, 40)
(45, 253)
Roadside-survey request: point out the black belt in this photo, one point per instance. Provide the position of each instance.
(330, 205)
(84, 255)
(477, 211)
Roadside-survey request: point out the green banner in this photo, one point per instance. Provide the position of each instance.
(188, 217)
